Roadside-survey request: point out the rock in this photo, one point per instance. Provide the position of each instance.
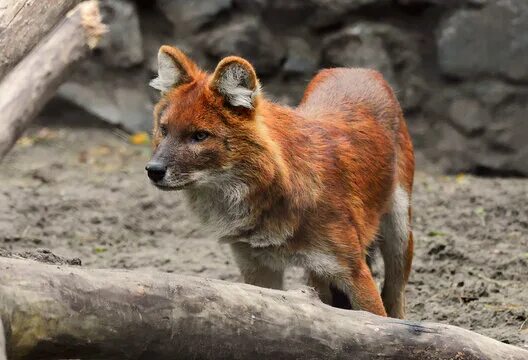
(301, 59)
(489, 41)
(157, 31)
(493, 92)
(110, 85)
(411, 91)
(286, 90)
(469, 116)
(385, 48)
(349, 4)
(509, 130)
(454, 150)
(122, 44)
(490, 162)
(117, 97)
(331, 12)
(189, 16)
(285, 14)
(444, 3)
(520, 163)
(251, 6)
(487, 140)
(249, 39)
(484, 132)
(314, 13)
(358, 46)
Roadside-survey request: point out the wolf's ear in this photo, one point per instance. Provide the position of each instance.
(174, 68)
(236, 80)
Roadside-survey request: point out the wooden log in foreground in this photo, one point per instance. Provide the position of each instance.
(23, 23)
(3, 355)
(26, 88)
(52, 312)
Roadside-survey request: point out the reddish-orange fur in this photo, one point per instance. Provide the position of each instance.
(324, 173)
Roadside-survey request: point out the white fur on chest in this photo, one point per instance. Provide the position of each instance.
(228, 216)
(222, 214)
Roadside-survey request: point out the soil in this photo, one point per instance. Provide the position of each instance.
(83, 194)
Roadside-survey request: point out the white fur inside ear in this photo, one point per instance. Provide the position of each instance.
(168, 73)
(234, 85)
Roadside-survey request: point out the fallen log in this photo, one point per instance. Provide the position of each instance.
(2, 343)
(52, 311)
(26, 88)
(23, 23)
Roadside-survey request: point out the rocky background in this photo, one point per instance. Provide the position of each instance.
(459, 67)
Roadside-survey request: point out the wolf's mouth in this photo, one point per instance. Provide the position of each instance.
(173, 187)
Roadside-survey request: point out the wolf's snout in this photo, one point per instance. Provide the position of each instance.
(156, 170)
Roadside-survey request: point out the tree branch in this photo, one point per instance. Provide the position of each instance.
(35, 79)
(23, 23)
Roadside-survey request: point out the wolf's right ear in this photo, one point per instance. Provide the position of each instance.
(174, 69)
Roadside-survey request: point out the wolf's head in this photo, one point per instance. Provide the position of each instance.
(205, 126)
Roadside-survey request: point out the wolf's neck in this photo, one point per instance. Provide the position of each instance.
(292, 154)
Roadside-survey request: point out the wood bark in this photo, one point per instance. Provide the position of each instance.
(26, 88)
(23, 23)
(2, 343)
(52, 311)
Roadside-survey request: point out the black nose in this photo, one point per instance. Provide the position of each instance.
(156, 170)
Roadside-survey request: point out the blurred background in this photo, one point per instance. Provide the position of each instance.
(459, 67)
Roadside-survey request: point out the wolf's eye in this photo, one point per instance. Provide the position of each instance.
(164, 131)
(199, 136)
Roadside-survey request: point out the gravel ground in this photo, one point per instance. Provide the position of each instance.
(83, 193)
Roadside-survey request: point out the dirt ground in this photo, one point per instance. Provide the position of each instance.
(83, 193)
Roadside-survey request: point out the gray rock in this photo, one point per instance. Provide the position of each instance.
(520, 161)
(485, 129)
(444, 3)
(188, 16)
(492, 161)
(493, 92)
(330, 12)
(116, 96)
(489, 41)
(503, 148)
(122, 45)
(412, 90)
(351, 4)
(509, 130)
(347, 5)
(454, 151)
(110, 85)
(469, 116)
(247, 38)
(157, 31)
(251, 6)
(286, 15)
(301, 59)
(359, 46)
(385, 48)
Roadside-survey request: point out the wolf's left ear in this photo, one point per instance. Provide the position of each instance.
(236, 80)
(174, 69)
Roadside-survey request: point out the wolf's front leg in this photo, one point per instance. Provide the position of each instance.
(253, 270)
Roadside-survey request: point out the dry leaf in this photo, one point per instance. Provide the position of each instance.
(140, 138)
(461, 179)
